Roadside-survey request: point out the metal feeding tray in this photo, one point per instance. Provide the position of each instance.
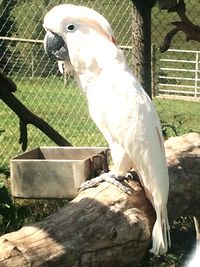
(55, 172)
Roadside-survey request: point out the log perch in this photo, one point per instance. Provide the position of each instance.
(103, 226)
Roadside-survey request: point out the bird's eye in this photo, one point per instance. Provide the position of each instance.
(70, 28)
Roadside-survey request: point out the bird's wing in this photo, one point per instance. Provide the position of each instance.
(133, 122)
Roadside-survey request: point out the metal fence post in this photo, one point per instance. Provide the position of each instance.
(32, 65)
(196, 74)
(153, 71)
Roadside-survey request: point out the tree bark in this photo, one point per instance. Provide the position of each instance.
(103, 226)
(142, 42)
(183, 159)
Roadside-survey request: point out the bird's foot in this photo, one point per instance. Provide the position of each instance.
(107, 177)
(132, 175)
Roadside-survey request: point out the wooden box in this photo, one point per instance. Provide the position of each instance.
(55, 172)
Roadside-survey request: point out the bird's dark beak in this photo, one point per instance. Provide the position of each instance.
(55, 47)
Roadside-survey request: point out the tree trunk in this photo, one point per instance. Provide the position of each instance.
(103, 226)
(142, 42)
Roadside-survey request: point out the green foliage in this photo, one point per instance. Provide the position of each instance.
(10, 215)
(181, 230)
(7, 28)
(15, 213)
(7, 22)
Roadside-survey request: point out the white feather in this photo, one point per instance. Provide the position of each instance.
(61, 66)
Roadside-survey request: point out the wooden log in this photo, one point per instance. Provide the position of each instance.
(183, 159)
(103, 226)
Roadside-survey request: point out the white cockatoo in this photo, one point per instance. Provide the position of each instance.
(82, 40)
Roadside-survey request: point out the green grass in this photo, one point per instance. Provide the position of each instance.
(63, 107)
(183, 116)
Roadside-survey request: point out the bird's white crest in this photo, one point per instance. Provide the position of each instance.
(118, 105)
(54, 18)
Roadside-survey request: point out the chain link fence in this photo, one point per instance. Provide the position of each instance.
(56, 98)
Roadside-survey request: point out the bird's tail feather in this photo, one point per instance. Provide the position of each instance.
(160, 234)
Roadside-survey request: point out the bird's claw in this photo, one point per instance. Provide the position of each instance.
(91, 183)
(107, 177)
(132, 176)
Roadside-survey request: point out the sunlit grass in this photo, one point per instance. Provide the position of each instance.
(182, 115)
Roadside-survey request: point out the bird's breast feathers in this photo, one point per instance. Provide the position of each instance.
(120, 100)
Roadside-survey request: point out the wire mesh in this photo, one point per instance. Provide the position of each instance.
(181, 60)
(40, 85)
(176, 72)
